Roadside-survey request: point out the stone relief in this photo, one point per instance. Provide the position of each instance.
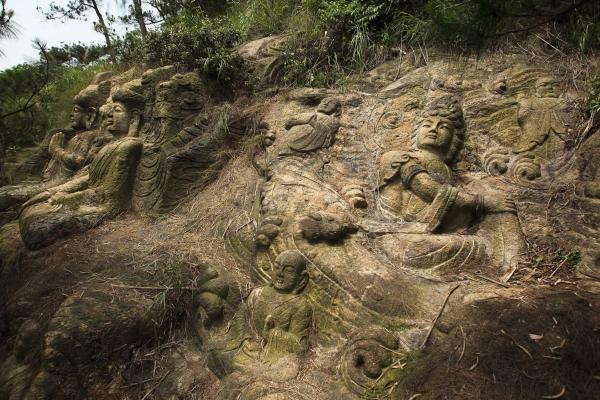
(278, 316)
(103, 191)
(418, 187)
(398, 203)
(185, 141)
(314, 131)
(540, 121)
(64, 152)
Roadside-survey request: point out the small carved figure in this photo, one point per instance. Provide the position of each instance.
(319, 128)
(99, 193)
(499, 86)
(268, 230)
(539, 117)
(268, 138)
(279, 315)
(418, 187)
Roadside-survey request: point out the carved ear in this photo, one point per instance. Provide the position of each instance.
(92, 114)
(303, 282)
(134, 124)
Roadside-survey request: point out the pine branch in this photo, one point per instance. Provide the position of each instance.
(38, 88)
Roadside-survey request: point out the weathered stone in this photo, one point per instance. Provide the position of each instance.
(418, 187)
(408, 220)
(64, 152)
(270, 330)
(315, 131)
(101, 192)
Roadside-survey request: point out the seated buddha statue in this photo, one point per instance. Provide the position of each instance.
(443, 226)
(279, 314)
(64, 152)
(101, 191)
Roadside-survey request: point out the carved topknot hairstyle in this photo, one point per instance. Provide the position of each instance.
(447, 106)
(132, 99)
(95, 94)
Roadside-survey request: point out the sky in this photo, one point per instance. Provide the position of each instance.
(32, 24)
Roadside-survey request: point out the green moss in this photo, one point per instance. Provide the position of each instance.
(593, 93)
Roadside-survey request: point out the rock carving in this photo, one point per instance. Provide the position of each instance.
(539, 119)
(418, 186)
(279, 314)
(101, 192)
(66, 151)
(317, 130)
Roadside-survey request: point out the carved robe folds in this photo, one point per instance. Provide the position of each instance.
(439, 235)
(282, 322)
(84, 202)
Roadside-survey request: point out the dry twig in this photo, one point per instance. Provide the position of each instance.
(424, 344)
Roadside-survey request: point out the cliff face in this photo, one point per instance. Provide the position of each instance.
(430, 232)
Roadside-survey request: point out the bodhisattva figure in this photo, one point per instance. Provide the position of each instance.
(102, 191)
(317, 130)
(540, 121)
(444, 226)
(68, 150)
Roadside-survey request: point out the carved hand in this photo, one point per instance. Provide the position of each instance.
(38, 198)
(269, 323)
(56, 142)
(500, 204)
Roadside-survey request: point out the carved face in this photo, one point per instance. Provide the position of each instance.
(287, 276)
(547, 87)
(118, 119)
(78, 118)
(328, 105)
(435, 133)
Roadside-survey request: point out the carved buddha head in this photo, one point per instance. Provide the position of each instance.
(290, 275)
(329, 106)
(440, 128)
(79, 117)
(124, 116)
(87, 103)
(546, 87)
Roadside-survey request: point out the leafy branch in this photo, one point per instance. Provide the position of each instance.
(38, 87)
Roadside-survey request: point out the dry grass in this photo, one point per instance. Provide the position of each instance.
(527, 347)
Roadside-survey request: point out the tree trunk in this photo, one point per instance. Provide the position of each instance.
(103, 27)
(139, 16)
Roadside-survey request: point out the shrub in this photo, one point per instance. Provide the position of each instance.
(193, 41)
(593, 100)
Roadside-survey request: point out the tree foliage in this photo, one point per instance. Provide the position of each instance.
(195, 41)
(7, 28)
(79, 9)
(38, 97)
